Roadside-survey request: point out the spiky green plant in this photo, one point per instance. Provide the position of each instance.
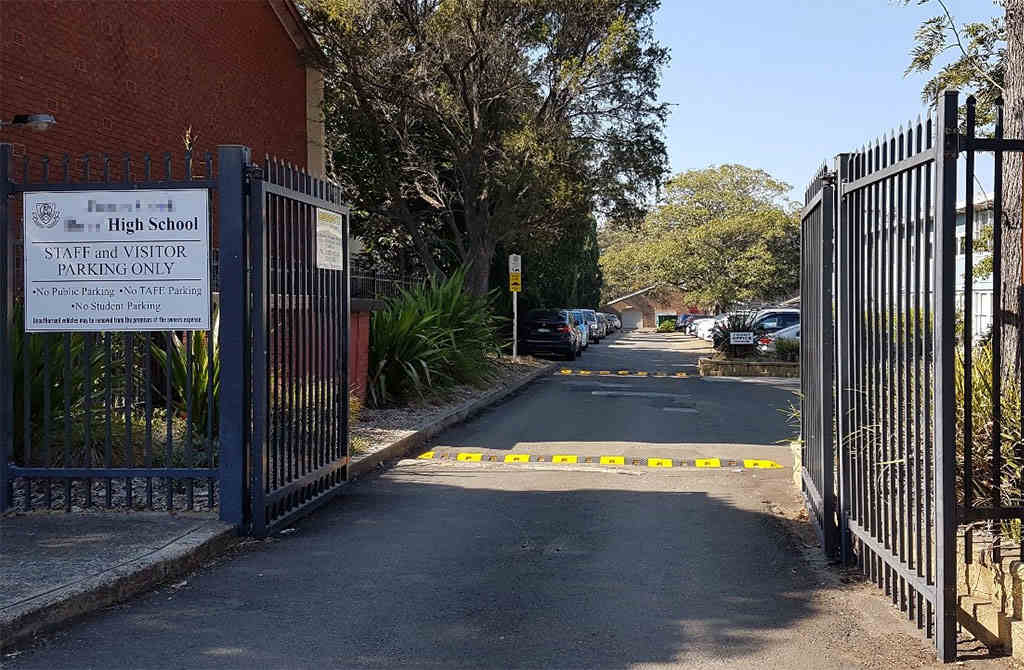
(186, 359)
(428, 339)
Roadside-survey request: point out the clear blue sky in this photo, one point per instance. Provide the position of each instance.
(781, 85)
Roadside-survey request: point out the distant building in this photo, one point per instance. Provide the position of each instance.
(644, 308)
(982, 292)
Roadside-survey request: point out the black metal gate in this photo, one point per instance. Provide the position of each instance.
(300, 446)
(250, 418)
(888, 370)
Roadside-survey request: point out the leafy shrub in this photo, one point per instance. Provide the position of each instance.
(787, 349)
(45, 368)
(667, 327)
(428, 339)
(190, 375)
(69, 378)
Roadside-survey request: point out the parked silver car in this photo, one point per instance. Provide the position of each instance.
(767, 342)
(597, 330)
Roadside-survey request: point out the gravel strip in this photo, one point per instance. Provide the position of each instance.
(377, 428)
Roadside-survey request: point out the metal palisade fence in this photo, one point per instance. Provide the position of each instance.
(893, 458)
(248, 417)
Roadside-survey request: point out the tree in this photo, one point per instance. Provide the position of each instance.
(723, 235)
(456, 126)
(988, 62)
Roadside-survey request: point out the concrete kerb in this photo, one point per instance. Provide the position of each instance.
(43, 612)
(400, 448)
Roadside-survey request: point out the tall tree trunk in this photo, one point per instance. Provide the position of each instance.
(1013, 189)
(478, 267)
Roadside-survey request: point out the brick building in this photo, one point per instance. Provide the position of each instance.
(124, 76)
(641, 309)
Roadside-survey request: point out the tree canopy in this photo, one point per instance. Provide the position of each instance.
(723, 235)
(978, 64)
(988, 61)
(456, 126)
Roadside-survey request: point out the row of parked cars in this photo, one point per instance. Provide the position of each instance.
(565, 332)
(768, 325)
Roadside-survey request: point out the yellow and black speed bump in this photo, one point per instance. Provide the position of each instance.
(654, 374)
(574, 459)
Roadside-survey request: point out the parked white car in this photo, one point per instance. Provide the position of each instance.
(707, 327)
(766, 343)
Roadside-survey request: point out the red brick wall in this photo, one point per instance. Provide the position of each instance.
(358, 352)
(132, 76)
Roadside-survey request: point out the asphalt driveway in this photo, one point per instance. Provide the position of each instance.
(446, 564)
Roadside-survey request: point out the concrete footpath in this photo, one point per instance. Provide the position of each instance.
(55, 567)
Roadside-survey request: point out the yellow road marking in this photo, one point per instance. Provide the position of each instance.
(641, 374)
(585, 372)
(623, 372)
(572, 459)
(565, 371)
(660, 374)
(758, 463)
(604, 372)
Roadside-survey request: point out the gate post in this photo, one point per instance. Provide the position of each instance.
(232, 161)
(845, 316)
(947, 151)
(826, 354)
(6, 312)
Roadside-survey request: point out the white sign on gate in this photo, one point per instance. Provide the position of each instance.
(133, 260)
(330, 239)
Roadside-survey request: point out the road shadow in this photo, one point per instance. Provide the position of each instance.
(409, 570)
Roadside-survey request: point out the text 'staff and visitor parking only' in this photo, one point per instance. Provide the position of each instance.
(117, 260)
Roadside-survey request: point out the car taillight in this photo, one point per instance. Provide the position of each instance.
(562, 329)
(765, 340)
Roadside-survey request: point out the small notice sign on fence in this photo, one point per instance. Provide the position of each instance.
(132, 260)
(741, 338)
(330, 239)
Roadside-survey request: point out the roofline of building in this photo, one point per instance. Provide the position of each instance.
(288, 14)
(633, 294)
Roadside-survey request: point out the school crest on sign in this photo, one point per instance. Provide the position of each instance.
(45, 214)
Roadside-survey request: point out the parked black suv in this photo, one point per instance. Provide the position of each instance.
(550, 331)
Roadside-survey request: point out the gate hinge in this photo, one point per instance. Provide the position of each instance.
(829, 178)
(253, 172)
